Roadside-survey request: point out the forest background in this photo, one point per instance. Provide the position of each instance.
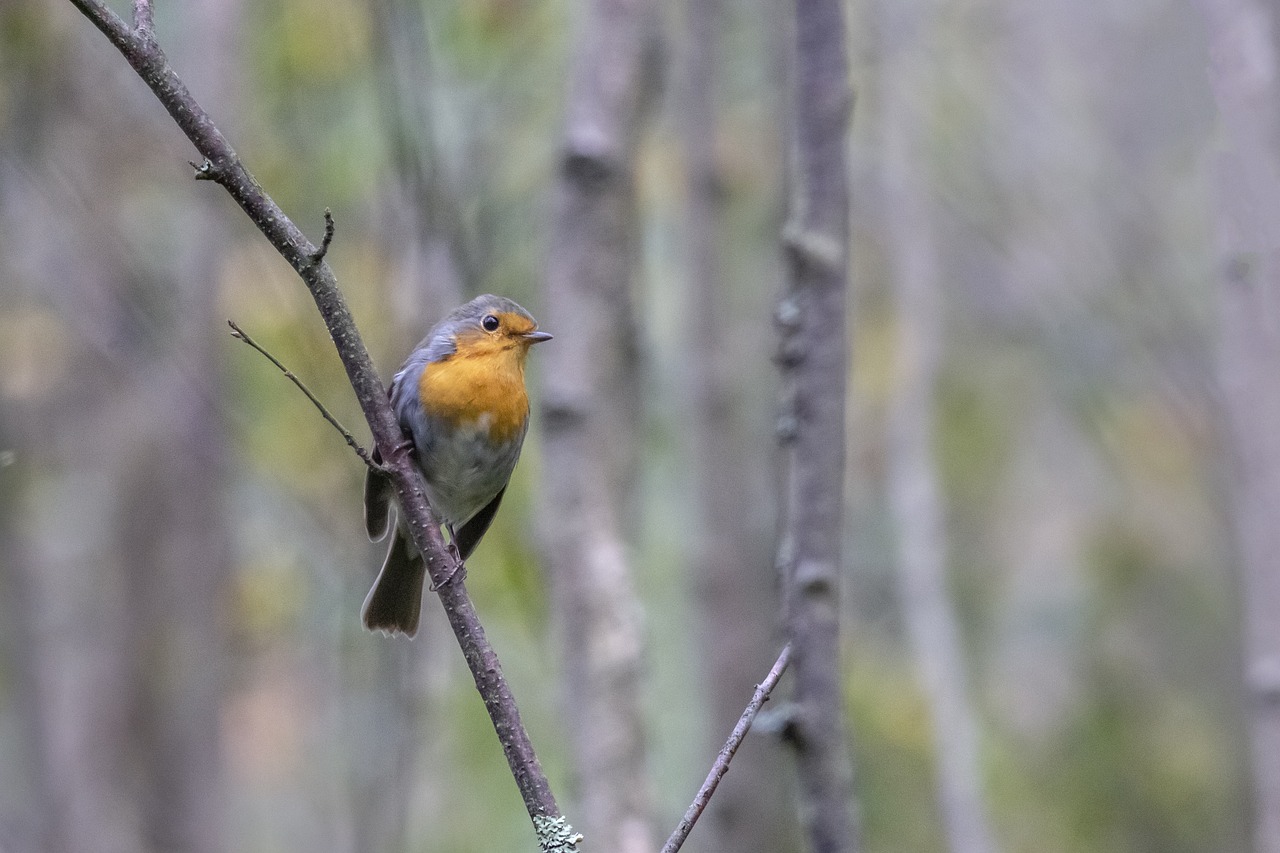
(182, 557)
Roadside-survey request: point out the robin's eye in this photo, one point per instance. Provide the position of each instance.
(490, 323)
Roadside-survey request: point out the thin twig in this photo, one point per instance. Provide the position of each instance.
(143, 20)
(721, 765)
(239, 334)
(205, 171)
(329, 228)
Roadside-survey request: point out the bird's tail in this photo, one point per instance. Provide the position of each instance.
(395, 602)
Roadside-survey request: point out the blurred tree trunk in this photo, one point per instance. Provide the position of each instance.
(172, 535)
(176, 532)
(915, 494)
(1242, 71)
(590, 419)
(26, 816)
(814, 355)
(736, 584)
(130, 605)
(73, 654)
(425, 232)
(125, 587)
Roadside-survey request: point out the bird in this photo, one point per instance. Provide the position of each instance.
(461, 402)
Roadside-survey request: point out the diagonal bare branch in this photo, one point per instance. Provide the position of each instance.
(721, 765)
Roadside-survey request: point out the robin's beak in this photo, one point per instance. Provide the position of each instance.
(536, 337)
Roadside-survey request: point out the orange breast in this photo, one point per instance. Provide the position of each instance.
(481, 387)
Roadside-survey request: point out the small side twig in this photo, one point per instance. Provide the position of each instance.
(329, 228)
(143, 20)
(239, 334)
(206, 171)
(721, 765)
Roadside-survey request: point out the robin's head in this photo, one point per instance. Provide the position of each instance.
(486, 327)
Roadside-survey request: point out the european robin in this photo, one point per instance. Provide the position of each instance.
(461, 402)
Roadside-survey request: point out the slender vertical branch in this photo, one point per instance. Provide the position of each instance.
(1247, 178)
(223, 166)
(143, 20)
(814, 356)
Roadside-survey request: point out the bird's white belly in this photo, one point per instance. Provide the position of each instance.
(465, 470)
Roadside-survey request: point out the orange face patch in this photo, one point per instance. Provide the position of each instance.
(475, 341)
(515, 324)
(483, 381)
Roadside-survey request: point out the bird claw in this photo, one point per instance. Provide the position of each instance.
(459, 567)
(459, 572)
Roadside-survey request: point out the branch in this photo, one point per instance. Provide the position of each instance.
(239, 334)
(223, 166)
(329, 229)
(1246, 193)
(143, 20)
(814, 356)
(721, 764)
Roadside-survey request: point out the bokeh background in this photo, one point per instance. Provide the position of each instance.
(182, 558)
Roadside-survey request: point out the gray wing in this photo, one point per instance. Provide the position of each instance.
(467, 537)
(378, 496)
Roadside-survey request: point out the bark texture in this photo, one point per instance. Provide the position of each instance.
(814, 356)
(589, 422)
